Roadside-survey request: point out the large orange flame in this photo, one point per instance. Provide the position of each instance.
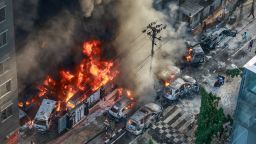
(90, 74)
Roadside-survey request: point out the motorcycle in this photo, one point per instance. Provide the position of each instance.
(220, 81)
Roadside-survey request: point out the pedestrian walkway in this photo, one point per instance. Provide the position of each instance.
(177, 124)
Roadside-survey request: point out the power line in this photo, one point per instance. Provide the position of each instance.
(143, 62)
(152, 30)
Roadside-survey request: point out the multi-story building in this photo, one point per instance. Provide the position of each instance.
(9, 123)
(244, 128)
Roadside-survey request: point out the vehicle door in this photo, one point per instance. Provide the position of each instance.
(148, 119)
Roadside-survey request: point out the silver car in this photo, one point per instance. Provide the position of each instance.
(121, 108)
(143, 118)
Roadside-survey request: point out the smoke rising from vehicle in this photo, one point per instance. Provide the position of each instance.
(134, 16)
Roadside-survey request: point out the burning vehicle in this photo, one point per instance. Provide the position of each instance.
(194, 55)
(185, 86)
(122, 107)
(44, 115)
(143, 118)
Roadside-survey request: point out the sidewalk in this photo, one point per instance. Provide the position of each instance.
(88, 127)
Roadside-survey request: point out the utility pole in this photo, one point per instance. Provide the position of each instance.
(153, 30)
(241, 2)
(252, 10)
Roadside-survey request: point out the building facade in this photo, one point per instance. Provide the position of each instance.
(196, 12)
(244, 128)
(9, 123)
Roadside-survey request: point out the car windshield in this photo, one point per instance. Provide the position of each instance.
(114, 109)
(143, 110)
(132, 123)
(169, 91)
(40, 122)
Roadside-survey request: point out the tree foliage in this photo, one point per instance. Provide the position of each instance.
(233, 72)
(211, 118)
(150, 141)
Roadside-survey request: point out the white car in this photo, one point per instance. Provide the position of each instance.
(121, 108)
(143, 118)
(180, 87)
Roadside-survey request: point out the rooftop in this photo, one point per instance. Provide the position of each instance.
(191, 7)
(45, 109)
(251, 65)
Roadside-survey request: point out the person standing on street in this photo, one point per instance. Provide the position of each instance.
(244, 36)
(250, 45)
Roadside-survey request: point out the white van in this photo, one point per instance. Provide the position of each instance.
(44, 115)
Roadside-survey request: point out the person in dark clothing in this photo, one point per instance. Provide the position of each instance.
(250, 45)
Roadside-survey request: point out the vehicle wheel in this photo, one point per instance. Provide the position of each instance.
(158, 117)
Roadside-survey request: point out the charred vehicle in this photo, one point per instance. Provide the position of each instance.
(211, 41)
(185, 86)
(44, 115)
(121, 108)
(143, 118)
(194, 55)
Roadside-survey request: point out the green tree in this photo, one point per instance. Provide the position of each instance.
(211, 118)
(233, 72)
(150, 141)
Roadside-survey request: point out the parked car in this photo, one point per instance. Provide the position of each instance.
(185, 86)
(143, 118)
(121, 108)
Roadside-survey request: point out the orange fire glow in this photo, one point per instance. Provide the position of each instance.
(166, 83)
(87, 77)
(20, 104)
(58, 106)
(70, 105)
(189, 55)
(27, 103)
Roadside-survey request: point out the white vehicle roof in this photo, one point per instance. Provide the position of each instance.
(45, 109)
(145, 110)
(153, 107)
(122, 102)
(189, 79)
(177, 83)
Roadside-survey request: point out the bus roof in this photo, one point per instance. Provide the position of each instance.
(45, 109)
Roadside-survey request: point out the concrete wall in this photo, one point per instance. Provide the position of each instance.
(7, 52)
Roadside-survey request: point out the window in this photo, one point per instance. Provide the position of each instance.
(1, 68)
(3, 38)
(5, 88)
(2, 14)
(6, 113)
(4, 65)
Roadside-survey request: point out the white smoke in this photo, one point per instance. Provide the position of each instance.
(88, 6)
(134, 16)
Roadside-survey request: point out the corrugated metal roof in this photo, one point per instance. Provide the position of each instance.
(191, 7)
